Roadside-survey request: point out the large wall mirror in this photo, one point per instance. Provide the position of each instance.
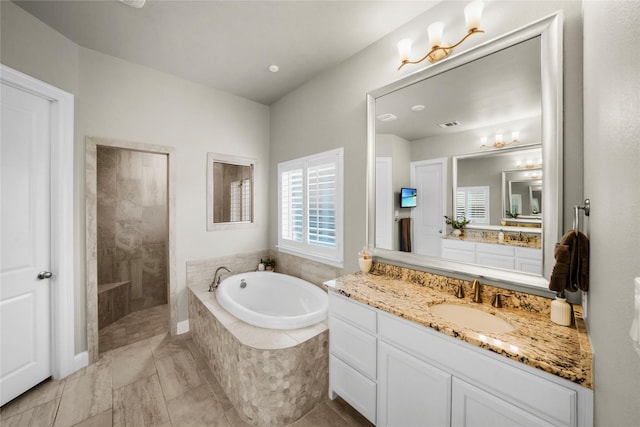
(229, 191)
(477, 138)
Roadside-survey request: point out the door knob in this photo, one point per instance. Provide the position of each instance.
(45, 275)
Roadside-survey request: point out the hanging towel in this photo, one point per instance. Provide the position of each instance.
(571, 271)
(405, 234)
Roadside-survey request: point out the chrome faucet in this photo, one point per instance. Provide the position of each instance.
(476, 291)
(216, 278)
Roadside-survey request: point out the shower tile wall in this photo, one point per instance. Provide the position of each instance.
(132, 223)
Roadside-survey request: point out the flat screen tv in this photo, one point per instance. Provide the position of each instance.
(408, 198)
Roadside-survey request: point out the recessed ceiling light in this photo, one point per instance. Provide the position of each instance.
(418, 107)
(274, 68)
(387, 117)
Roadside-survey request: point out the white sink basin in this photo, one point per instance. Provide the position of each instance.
(471, 318)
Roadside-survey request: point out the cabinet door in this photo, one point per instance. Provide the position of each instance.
(473, 407)
(411, 392)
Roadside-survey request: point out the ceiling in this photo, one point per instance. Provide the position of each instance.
(229, 45)
(486, 94)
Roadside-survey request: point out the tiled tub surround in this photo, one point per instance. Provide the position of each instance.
(536, 341)
(272, 377)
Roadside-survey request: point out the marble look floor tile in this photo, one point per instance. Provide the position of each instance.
(140, 404)
(234, 419)
(197, 407)
(132, 362)
(41, 415)
(44, 392)
(86, 393)
(103, 419)
(353, 417)
(178, 373)
(321, 416)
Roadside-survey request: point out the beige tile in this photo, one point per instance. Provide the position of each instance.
(86, 393)
(140, 404)
(303, 334)
(42, 393)
(197, 407)
(178, 373)
(321, 416)
(41, 415)
(234, 419)
(103, 419)
(260, 338)
(132, 362)
(353, 417)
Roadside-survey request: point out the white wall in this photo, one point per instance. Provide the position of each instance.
(611, 178)
(330, 111)
(120, 100)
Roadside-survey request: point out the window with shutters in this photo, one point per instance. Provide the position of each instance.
(472, 203)
(310, 206)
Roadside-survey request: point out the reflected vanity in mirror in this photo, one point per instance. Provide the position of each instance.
(429, 132)
(229, 191)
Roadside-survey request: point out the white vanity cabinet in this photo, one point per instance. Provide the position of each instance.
(517, 258)
(398, 373)
(353, 354)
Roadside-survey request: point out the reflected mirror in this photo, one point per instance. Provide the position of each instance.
(478, 139)
(229, 191)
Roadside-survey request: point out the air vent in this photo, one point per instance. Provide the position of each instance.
(448, 125)
(388, 117)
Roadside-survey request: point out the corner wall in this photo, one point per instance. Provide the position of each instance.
(611, 177)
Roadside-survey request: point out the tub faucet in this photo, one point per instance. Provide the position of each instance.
(216, 278)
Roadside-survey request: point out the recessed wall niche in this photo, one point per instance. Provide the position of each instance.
(132, 223)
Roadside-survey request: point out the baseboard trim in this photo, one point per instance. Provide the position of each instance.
(183, 327)
(80, 360)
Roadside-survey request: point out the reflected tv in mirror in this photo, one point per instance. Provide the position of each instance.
(408, 198)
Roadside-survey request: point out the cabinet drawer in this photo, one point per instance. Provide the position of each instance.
(529, 253)
(353, 346)
(458, 255)
(458, 244)
(353, 312)
(489, 248)
(353, 387)
(494, 260)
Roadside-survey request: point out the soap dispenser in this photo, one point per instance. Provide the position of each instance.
(561, 311)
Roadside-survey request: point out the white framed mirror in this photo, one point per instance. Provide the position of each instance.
(229, 191)
(510, 84)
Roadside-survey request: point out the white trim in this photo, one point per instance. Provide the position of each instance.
(80, 360)
(183, 327)
(62, 219)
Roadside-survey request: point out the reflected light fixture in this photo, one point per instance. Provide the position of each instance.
(439, 49)
(499, 141)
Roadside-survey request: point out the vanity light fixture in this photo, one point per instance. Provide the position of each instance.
(499, 141)
(439, 49)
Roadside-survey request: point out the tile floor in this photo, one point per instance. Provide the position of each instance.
(134, 327)
(157, 381)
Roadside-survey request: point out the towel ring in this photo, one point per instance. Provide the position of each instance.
(576, 215)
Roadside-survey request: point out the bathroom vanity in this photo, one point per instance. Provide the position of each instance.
(398, 364)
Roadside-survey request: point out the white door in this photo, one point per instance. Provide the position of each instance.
(25, 299)
(384, 203)
(429, 177)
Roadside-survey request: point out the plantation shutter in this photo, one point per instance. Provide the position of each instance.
(472, 203)
(292, 205)
(321, 196)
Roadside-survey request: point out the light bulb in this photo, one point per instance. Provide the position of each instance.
(435, 33)
(404, 49)
(483, 141)
(515, 135)
(473, 14)
(498, 137)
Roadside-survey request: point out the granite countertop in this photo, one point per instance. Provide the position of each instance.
(505, 242)
(536, 341)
